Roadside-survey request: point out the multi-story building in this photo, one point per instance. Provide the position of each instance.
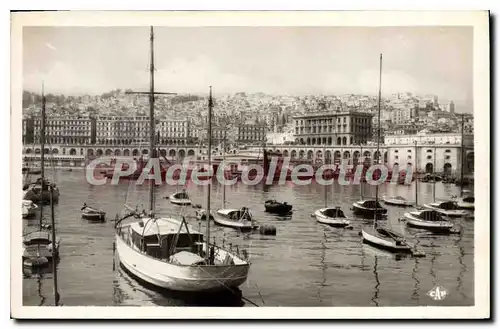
(251, 133)
(117, 130)
(106, 130)
(432, 152)
(405, 115)
(218, 134)
(175, 132)
(60, 130)
(333, 128)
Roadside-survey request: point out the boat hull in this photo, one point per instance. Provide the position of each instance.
(400, 203)
(94, 217)
(434, 226)
(331, 221)
(244, 227)
(43, 197)
(371, 237)
(281, 209)
(466, 206)
(181, 202)
(180, 278)
(368, 212)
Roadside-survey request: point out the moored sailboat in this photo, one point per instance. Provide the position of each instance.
(167, 252)
(381, 237)
(430, 220)
(447, 208)
(42, 246)
(240, 219)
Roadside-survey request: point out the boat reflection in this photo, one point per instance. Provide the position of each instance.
(41, 275)
(323, 266)
(416, 287)
(462, 267)
(164, 297)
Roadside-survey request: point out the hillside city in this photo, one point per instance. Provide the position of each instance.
(401, 114)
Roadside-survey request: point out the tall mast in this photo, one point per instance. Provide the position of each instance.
(209, 186)
(462, 159)
(379, 125)
(151, 121)
(362, 164)
(416, 172)
(42, 153)
(434, 178)
(224, 172)
(54, 250)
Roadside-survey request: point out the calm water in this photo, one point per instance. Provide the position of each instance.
(305, 264)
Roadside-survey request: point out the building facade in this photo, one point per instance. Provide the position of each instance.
(402, 116)
(61, 130)
(106, 130)
(336, 128)
(441, 153)
(251, 133)
(175, 132)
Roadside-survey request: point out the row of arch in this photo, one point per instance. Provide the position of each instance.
(324, 141)
(133, 141)
(116, 152)
(328, 154)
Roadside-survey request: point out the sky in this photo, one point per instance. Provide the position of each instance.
(281, 60)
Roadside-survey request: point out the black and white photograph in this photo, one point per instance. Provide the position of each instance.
(214, 159)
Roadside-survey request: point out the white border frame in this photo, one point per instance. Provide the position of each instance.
(478, 19)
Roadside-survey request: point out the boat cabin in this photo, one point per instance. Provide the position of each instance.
(372, 204)
(162, 239)
(429, 215)
(448, 205)
(37, 237)
(334, 212)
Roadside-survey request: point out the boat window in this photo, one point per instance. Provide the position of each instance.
(469, 199)
(137, 240)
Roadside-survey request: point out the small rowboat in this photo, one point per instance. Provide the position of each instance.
(180, 198)
(235, 218)
(331, 216)
(279, 208)
(397, 201)
(93, 214)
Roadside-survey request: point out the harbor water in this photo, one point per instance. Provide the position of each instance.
(305, 264)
